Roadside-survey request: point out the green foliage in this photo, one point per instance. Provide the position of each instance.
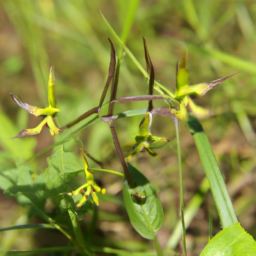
(213, 173)
(73, 37)
(62, 167)
(232, 241)
(143, 207)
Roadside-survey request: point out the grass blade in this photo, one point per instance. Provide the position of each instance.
(27, 226)
(213, 173)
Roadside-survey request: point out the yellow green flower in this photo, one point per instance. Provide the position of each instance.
(145, 140)
(90, 187)
(184, 90)
(48, 113)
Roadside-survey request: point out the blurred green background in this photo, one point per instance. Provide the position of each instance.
(220, 38)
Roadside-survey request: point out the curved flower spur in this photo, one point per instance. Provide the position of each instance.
(91, 186)
(48, 113)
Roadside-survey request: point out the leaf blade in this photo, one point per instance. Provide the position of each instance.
(145, 216)
(232, 241)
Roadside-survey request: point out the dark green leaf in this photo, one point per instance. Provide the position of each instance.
(144, 208)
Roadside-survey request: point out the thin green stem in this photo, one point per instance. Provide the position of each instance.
(158, 247)
(106, 170)
(189, 213)
(177, 127)
(78, 232)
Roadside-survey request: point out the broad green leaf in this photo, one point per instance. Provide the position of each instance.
(143, 207)
(25, 189)
(61, 167)
(231, 241)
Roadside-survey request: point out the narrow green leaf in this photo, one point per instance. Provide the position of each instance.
(41, 250)
(143, 207)
(213, 173)
(122, 252)
(232, 241)
(225, 58)
(27, 226)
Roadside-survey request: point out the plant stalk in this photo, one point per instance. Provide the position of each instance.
(177, 128)
(157, 246)
(78, 232)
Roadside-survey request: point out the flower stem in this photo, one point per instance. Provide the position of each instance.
(78, 232)
(158, 247)
(177, 127)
